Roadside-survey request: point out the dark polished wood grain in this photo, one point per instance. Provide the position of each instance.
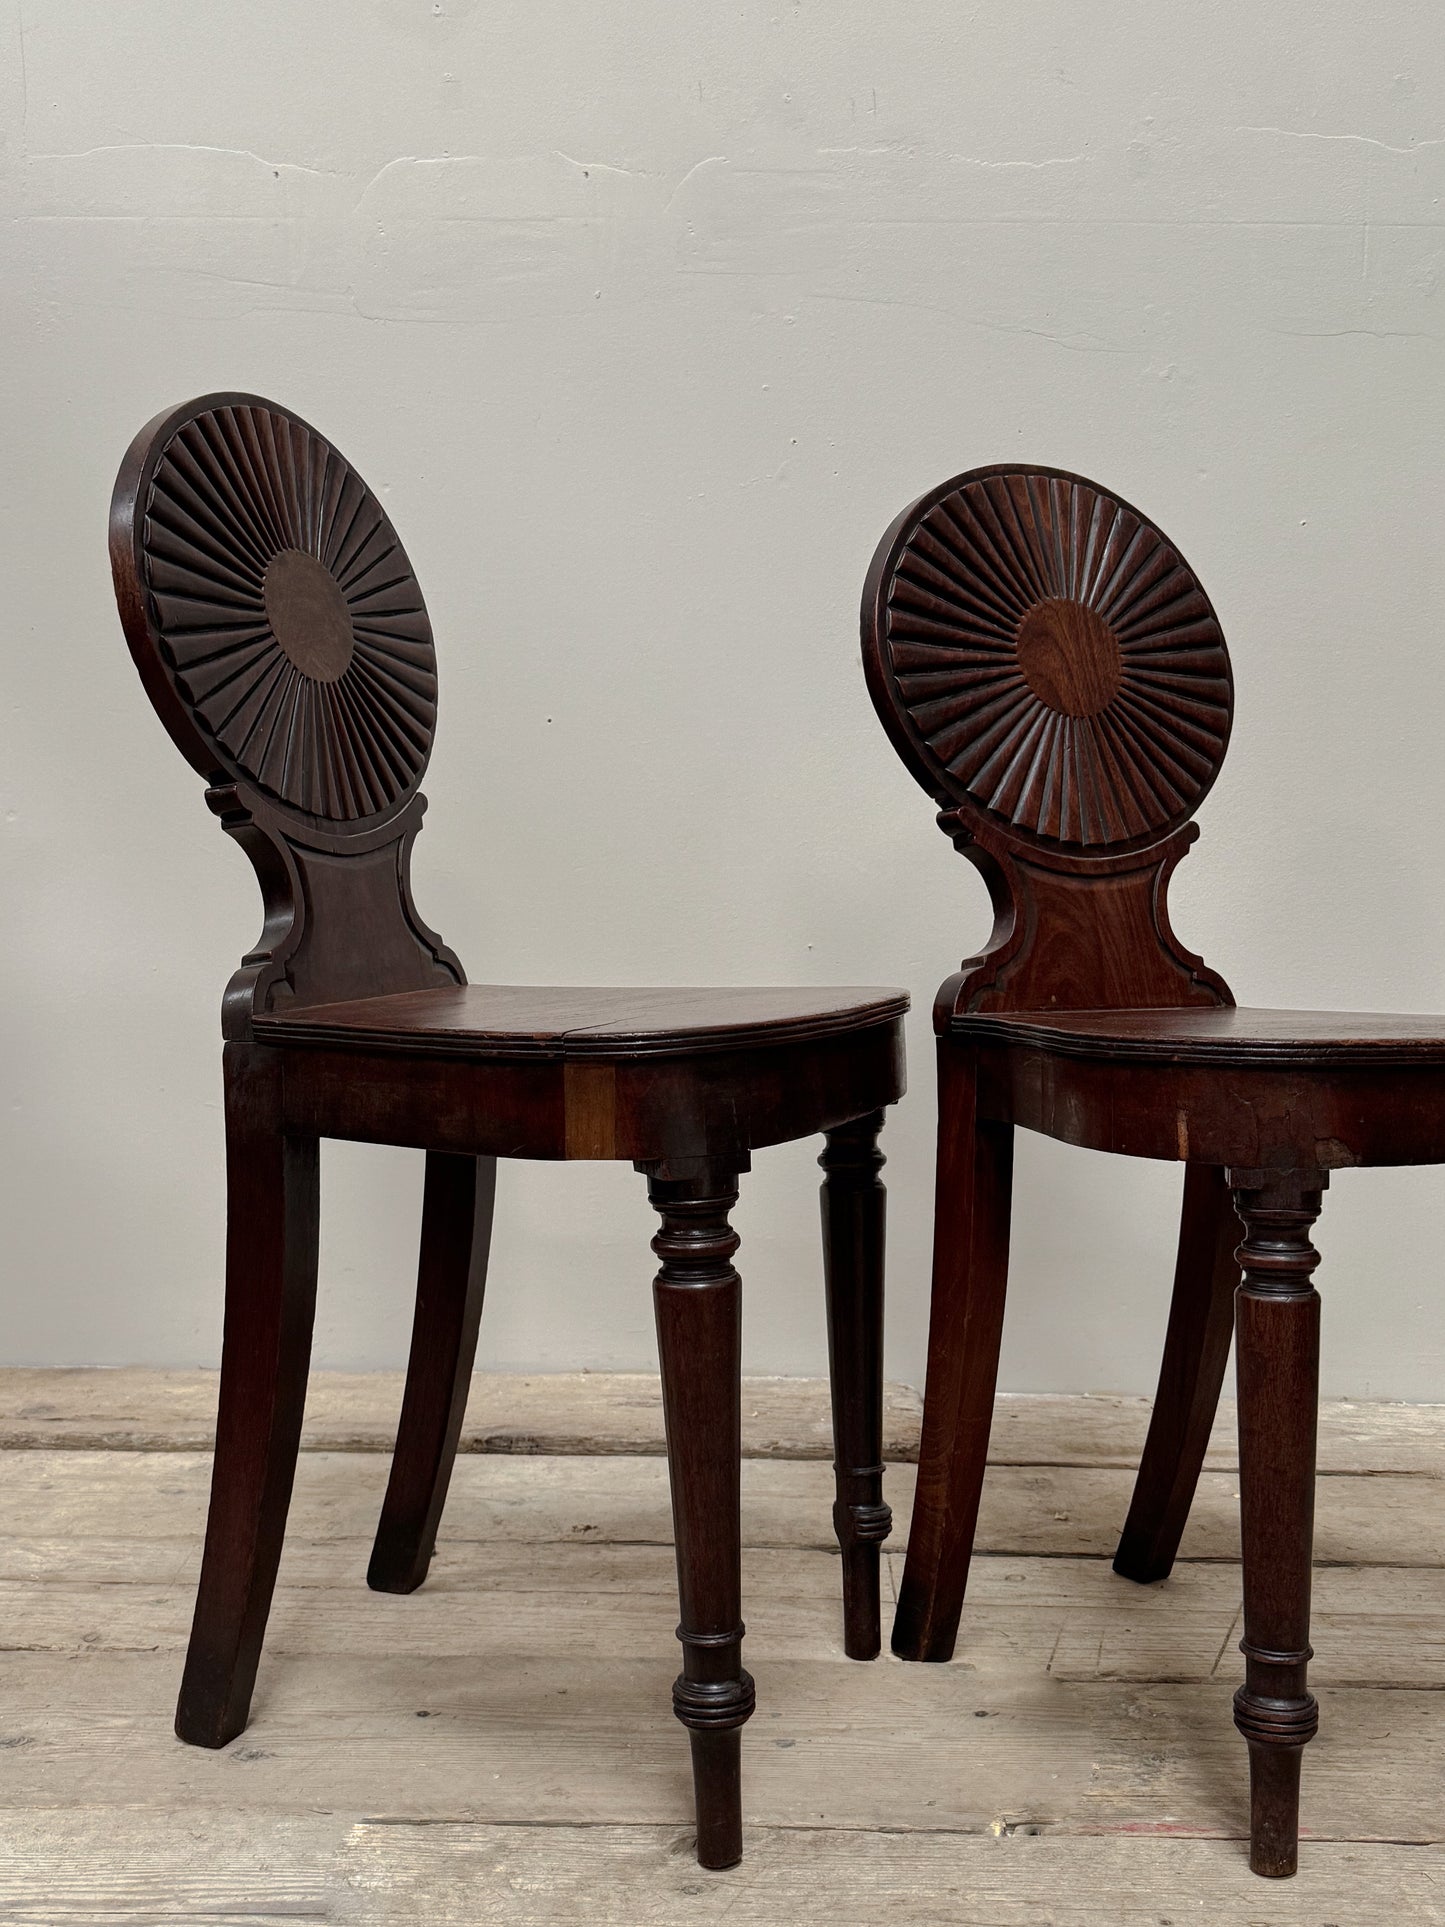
(223, 509)
(456, 1237)
(1278, 1368)
(272, 612)
(1046, 662)
(1191, 1374)
(505, 1020)
(853, 1201)
(282, 638)
(1052, 673)
(698, 1299)
(272, 1224)
(972, 1204)
(1266, 1117)
(1238, 1038)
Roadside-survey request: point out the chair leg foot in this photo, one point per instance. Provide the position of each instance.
(718, 1792)
(862, 1590)
(699, 1339)
(853, 1202)
(1274, 1782)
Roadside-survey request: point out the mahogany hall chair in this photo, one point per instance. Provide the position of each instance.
(1049, 669)
(281, 636)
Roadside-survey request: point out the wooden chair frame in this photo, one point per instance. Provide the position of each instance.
(282, 638)
(1050, 670)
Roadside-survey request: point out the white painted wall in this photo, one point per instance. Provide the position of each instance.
(645, 320)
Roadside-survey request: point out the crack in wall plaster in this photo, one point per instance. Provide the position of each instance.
(1343, 334)
(1054, 160)
(606, 167)
(1364, 140)
(197, 147)
(708, 160)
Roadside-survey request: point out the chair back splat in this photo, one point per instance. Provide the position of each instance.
(284, 643)
(1049, 669)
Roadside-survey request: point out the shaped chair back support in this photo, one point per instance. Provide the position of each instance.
(1050, 670)
(282, 638)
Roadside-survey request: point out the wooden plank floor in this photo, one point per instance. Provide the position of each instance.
(500, 1747)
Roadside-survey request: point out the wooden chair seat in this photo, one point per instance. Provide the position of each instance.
(518, 1020)
(1226, 1037)
(1225, 1088)
(283, 639)
(1051, 671)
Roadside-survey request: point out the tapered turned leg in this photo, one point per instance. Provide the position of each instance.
(853, 1200)
(1196, 1351)
(272, 1207)
(970, 1273)
(456, 1234)
(1277, 1361)
(699, 1341)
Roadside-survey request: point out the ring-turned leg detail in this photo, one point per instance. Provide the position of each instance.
(853, 1200)
(699, 1339)
(1277, 1361)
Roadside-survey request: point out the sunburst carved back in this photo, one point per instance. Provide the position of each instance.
(1045, 660)
(284, 613)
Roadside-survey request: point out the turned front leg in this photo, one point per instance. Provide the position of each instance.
(853, 1200)
(1277, 1362)
(699, 1340)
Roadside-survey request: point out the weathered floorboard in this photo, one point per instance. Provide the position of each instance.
(1372, 1625)
(1076, 1620)
(1395, 1519)
(543, 1739)
(620, 1414)
(498, 1745)
(192, 1869)
(557, 1413)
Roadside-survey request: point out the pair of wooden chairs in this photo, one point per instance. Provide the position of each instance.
(1051, 671)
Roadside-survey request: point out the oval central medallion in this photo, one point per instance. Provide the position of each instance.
(1069, 656)
(308, 615)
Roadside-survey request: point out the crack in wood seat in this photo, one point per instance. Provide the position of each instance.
(1050, 670)
(283, 640)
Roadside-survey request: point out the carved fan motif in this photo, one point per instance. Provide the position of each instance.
(1050, 660)
(287, 613)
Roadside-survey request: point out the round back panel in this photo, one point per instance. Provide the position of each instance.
(272, 611)
(1045, 661)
